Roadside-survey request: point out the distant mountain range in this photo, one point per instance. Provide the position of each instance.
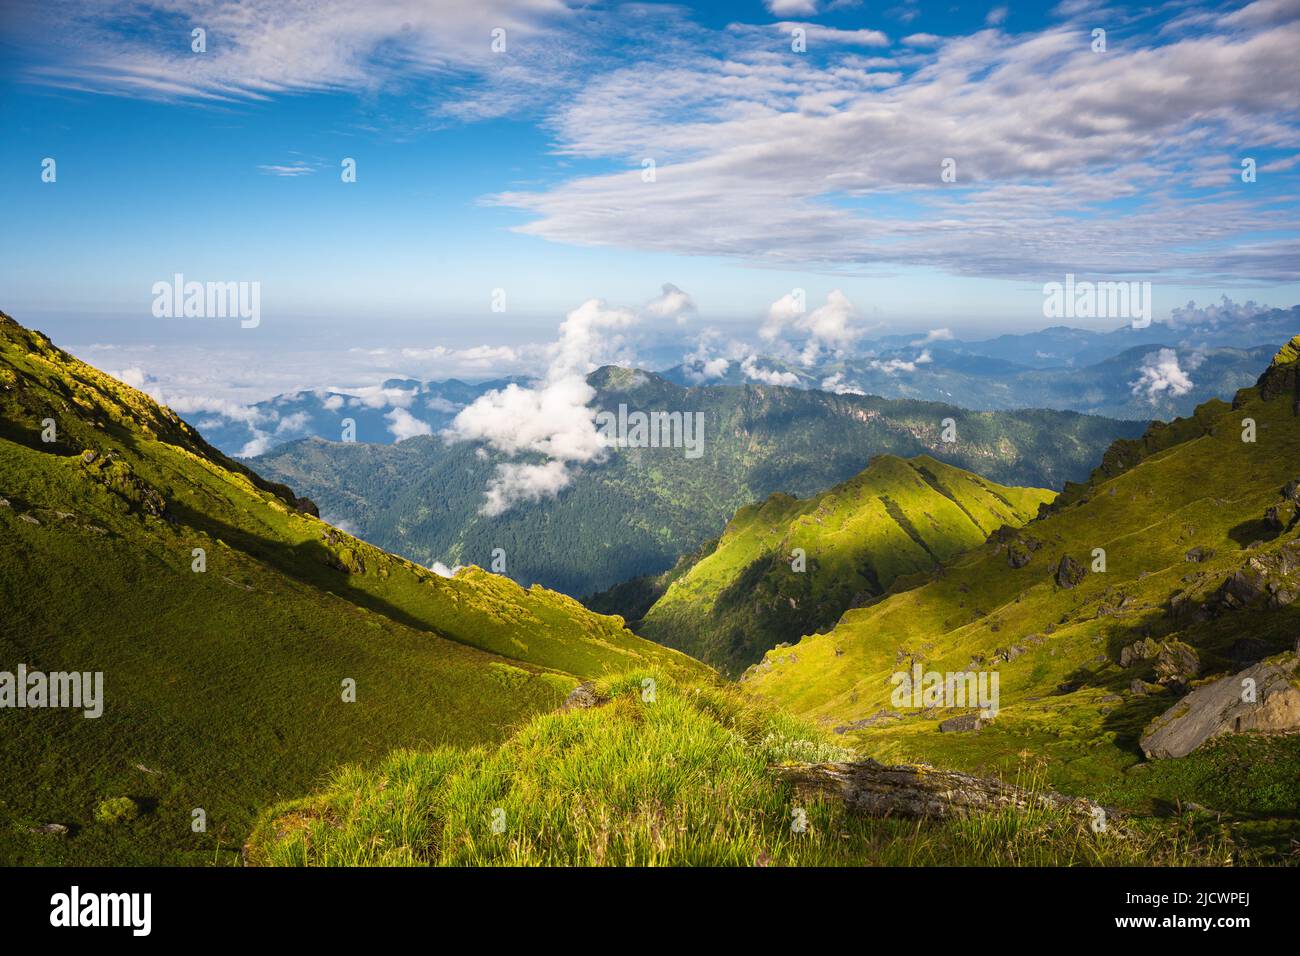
(1142, 383)
(1158, 372)
(399, 408)
(636, 512)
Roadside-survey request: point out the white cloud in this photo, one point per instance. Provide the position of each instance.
(935, 335)
(261, 48)
(895, 365)
(767, 376)
(673, 304)
(835, 383)
(291, 170)
(403, 425)
(442, 570)
(378, 396)
(135, 377)
(816, 34)
(439, 404)
(791, 8)
(553, 418)
(292, 423)
(710, 369)
(514, 483)
(831, 326)
(259, 444)
(1225, 311)
(1160, 376)
(776, 160)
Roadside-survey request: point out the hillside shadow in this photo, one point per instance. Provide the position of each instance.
(309, 562)
(1225, 644)
(1248, 532)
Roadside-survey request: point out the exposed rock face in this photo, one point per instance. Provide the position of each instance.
(1138, 651)
(582, 697)
(1199, 554)
(879, 717)
(1020, 547)
(1176, 663)
(1273, 578)
(1282, 378)
(1232, 705)
(962, 724)
(1069, 573)
(917, 790)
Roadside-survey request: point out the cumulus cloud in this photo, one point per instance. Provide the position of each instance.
(767, 376)
(442, 570)
(1223, 312)
(514, 483)
(935, 335)
(673, 304)
(791, 8)
(259, 444)
(702, 369)
(552, 419)
(1161, 376)
(439, 404)
(832, 326)
(379, 396)
(895, 365)
(403, 425)
(835, 383)
(711, 359)
(291, 424)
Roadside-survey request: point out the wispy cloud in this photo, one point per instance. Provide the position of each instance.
(1066, 159)
(293, 169)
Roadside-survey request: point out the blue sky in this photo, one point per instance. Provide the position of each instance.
(523, 170)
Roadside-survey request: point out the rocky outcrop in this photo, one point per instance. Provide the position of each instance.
(962, 724)
(582, 697)
(1176, 663)
(1282, 378)
(1020, 547)
(918, 790)
(879, 717)
(1142, 650)
(1271, 579)
(1263, 698)
(1069, 573)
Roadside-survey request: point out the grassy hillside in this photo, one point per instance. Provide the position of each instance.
(682, 779)
(223, 687)
(637, 512)
(788, 567)
(1200, 578)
